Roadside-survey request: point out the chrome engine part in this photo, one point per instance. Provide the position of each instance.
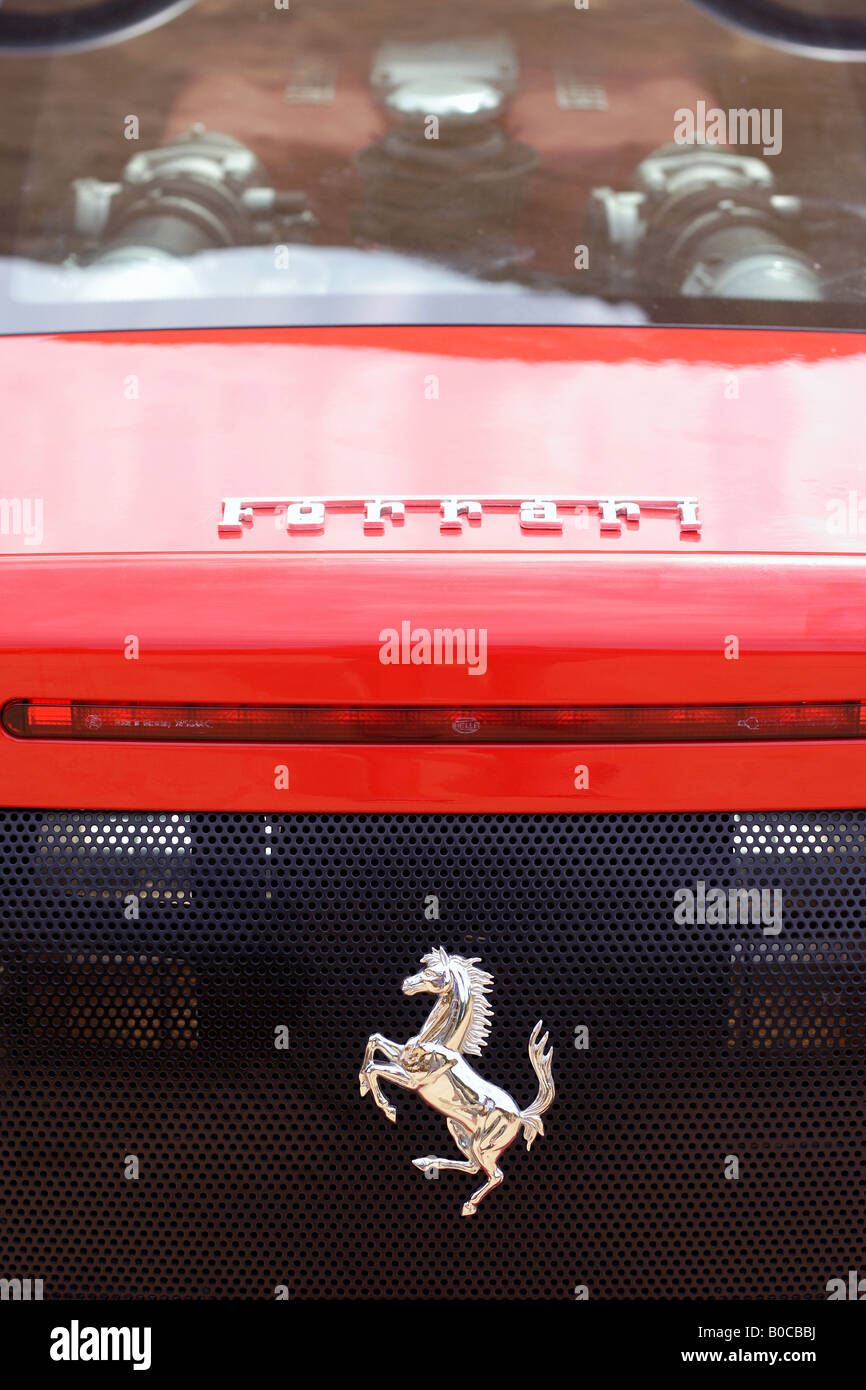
(702, 221)
(200, 191)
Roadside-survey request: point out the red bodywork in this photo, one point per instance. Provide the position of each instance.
(132, 440)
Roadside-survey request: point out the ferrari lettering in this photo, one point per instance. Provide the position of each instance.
(532, 512)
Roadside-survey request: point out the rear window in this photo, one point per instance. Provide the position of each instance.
(584, 161)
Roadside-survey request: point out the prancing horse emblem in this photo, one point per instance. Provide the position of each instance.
(482, 1119)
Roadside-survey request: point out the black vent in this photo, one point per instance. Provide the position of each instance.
(146, 961)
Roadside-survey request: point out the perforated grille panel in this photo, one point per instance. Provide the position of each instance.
(148, 963)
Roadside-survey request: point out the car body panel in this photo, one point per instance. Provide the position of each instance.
(762, 427)
(133, 439)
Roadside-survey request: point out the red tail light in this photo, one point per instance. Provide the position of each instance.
(426, 724)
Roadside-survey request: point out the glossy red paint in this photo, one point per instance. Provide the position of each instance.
(132, 440)
(763, 427)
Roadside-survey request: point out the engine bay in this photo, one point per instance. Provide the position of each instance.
(596, 159)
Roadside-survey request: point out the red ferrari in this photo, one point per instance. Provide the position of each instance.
(432, 516)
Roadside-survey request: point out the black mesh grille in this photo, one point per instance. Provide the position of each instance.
(147, 960)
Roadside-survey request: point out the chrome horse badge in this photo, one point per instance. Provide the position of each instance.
(482, 1119)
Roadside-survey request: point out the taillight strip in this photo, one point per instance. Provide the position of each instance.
(202, 723)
